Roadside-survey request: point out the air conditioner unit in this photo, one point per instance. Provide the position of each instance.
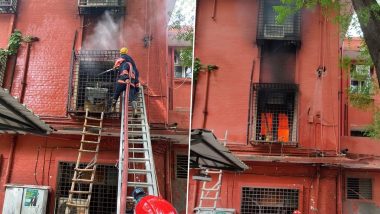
(274, 31)
(102, 2)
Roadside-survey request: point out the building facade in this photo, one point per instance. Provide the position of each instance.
(54, 77)
(279, 99)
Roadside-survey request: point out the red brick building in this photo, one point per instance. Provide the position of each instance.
(279, 94)
(48, 73)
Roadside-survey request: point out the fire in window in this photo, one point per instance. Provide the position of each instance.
(274, 110)
(180, 71)
(269, 200)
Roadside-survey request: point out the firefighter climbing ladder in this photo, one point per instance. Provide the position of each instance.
(141, 169)
(210, 193)
(83, 179)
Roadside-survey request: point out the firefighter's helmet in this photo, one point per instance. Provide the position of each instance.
(154, 205)
(124, 50)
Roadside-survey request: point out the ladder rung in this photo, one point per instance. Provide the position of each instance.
(84, 170)
(138, 160)
(92, 126)
(137, 132)
(76, 205)
(137, 150)
(79, 192)
(209, 198)
(82, 180)
(94, 118)
(89, 141)
(90, 133)
(139, 184)
(139, 171)
(214, 172)
(85, 150)
(206, 189)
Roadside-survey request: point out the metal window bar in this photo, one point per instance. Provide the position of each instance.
(89, 88)
(87, 7)
(104, 193)
(273, 112)
(269, 200)
(359, 188)
(8, 6)
(269, 29)
(181, 166)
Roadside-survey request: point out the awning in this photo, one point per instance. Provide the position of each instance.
(17, 118)
(206, 151)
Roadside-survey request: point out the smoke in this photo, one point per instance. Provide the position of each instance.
(106, 34)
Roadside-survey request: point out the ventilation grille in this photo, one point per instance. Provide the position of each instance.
(359, 188)
(269, 200)
(181, 166)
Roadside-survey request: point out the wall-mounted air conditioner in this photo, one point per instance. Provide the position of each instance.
(25, 199)
(274, 31)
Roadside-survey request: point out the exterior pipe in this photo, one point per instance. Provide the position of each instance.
(205, 109)
(124, 186)
(339, 209)
(10, 159)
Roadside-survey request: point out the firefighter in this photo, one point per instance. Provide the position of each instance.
(128, 74)
(149, 204)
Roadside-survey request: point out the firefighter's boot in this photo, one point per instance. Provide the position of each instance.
(134, 109)
(113, 105)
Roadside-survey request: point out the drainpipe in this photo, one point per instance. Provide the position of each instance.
(339, 209)
(10, 159)
(25, 73)
(205, 109)
(317, 188)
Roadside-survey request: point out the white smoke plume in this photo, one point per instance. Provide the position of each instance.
(106, 34)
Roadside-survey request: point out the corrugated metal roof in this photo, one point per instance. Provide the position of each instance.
(17, 118)
(206, 151)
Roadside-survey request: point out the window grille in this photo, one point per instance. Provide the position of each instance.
(8, 6)
(88, 7)
(273, 113)
(269, 200)
(269, 29)
(359, 188)
(89, 87)
(104, 192)
(181, 166)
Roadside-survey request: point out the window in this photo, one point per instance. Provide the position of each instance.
(360, 79)
(359, 188)
(268, 28)
(87, 7)
(181, 166)
(8, 6)
(104, 193)
(269, 200)
(273, 113)
(180, 71)
(90, 87)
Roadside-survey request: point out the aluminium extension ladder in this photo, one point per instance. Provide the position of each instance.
(210, 193)
(141, 168)
(84, 176)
